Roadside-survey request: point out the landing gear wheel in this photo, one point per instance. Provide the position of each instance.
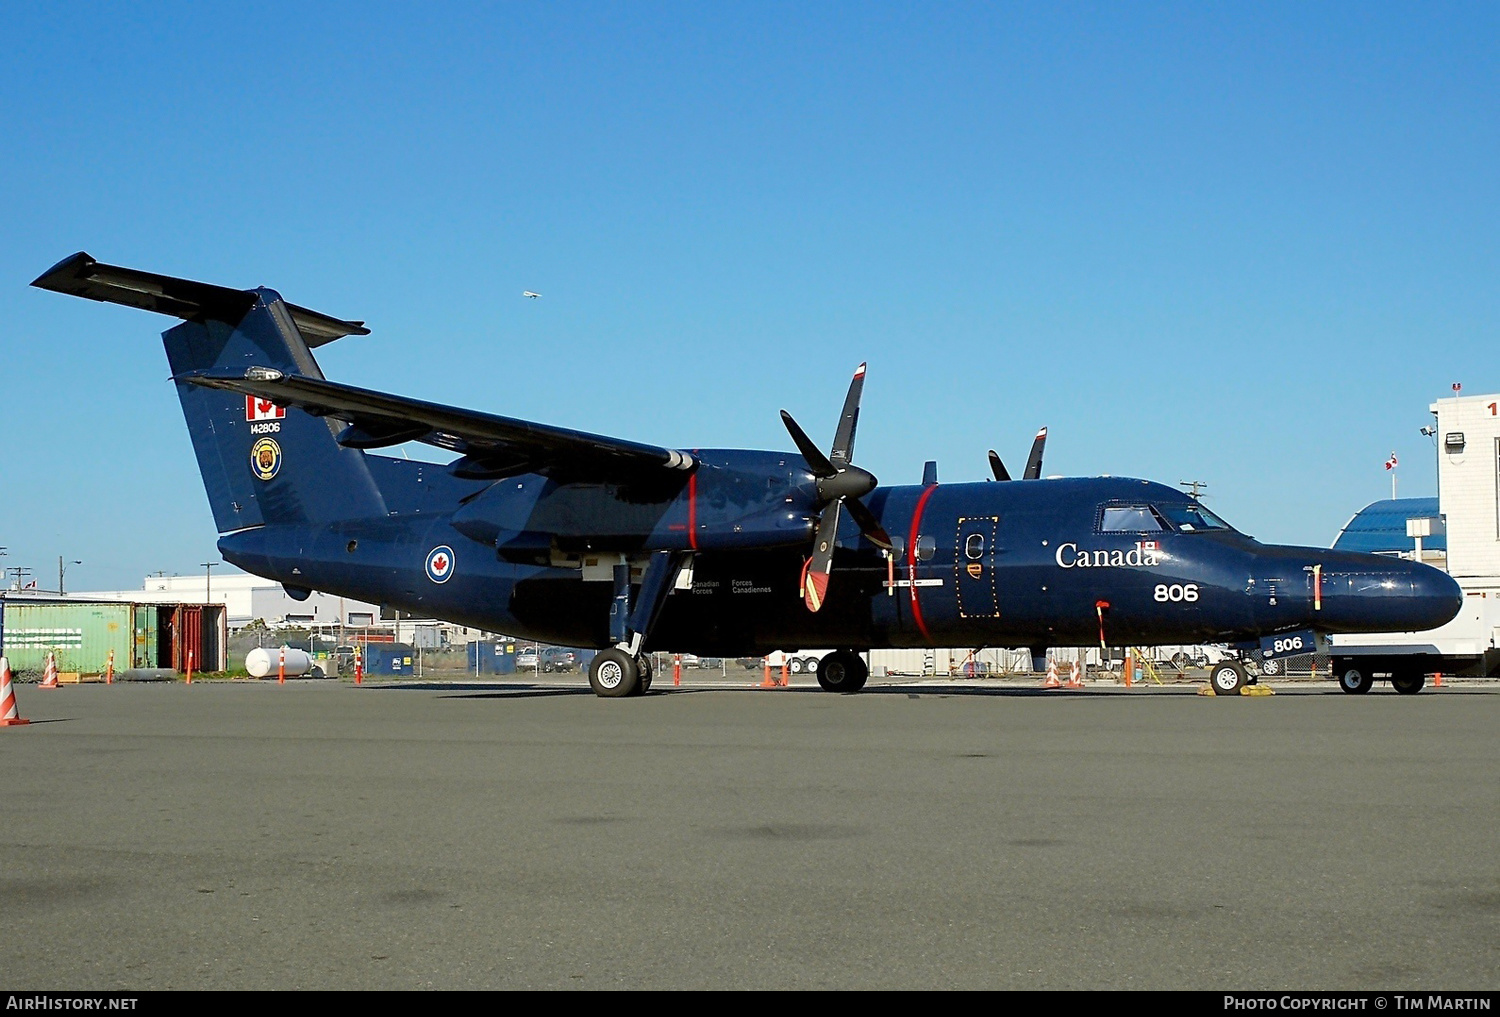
(1356, 681)
(842, 671)
(1227, 677)
(1408, 684)
(1270, 668)
(613, 674)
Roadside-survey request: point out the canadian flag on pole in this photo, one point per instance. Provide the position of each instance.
(1390, 463)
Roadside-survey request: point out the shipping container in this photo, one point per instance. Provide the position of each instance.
(82, 634)
(389, 659)
(492, 657)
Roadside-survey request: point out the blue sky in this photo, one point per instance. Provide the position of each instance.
(1244, 244)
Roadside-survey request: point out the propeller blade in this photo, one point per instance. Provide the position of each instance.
(819, 463)
(815, 583)
(843, 438)
(868, 524)
(1034, 464)
(997, 467)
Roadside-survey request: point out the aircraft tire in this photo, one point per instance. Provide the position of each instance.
(613, 674)
(842, 671)
(1227, 677)
(1408, 684)
(1355, 680)
(647, 671)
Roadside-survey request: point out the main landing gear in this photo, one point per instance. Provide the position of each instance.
(623, 670)
(842, 671)
(614, 674)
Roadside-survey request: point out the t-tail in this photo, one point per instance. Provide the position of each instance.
(261, 463)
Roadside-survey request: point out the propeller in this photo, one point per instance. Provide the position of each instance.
(1033, 462)
(840, 485)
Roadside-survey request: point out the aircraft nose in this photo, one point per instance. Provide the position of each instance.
(1398, 596)
(1438, 596)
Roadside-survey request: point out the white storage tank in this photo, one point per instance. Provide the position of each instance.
(263, 661)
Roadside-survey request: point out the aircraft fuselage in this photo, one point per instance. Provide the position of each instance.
(1024, 563)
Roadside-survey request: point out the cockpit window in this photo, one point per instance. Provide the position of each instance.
(1130, 519)
(1190, 517)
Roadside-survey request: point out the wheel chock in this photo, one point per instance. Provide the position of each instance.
(1207, 690)
(1256, 690)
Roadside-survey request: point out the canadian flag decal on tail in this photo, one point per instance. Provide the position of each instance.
(262, 409)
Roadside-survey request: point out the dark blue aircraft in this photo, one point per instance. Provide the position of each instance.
(584, 540)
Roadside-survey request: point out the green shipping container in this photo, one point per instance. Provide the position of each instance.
(82, 636)
(145, 636)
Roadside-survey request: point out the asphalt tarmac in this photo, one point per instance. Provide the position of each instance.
(966, 835)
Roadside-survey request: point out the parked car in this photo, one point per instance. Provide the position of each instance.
(750, 663)
(555, 658)
(527, 659)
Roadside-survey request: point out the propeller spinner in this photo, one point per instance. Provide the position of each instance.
(840, 485)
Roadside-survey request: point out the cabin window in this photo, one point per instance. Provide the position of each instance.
(1190, 517)
(926, 547)
(974, 546)
(1130, 519)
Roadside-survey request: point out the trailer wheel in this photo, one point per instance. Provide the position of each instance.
(1408, 684)
(1356, 681)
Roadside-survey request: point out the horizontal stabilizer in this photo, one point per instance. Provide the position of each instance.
(82, 276)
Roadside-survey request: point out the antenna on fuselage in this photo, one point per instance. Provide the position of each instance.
(1194, 486)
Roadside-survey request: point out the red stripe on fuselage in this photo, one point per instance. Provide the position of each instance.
(693, 508)
(911, 561)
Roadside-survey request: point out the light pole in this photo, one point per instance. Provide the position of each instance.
(60, 573)
(208, 567)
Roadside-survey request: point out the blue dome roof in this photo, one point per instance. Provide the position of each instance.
(1381, 526)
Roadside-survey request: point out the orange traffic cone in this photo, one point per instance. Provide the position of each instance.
(49, 675)
(8, 714)
(1053, 682)
(783, 673)
(1075, 680)
(1437, 680)
(767, 682)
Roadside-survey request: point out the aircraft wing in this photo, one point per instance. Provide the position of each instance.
(492, 446)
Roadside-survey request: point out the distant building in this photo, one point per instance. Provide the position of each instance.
(1381, 527)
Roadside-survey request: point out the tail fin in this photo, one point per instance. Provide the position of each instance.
(260, 463)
